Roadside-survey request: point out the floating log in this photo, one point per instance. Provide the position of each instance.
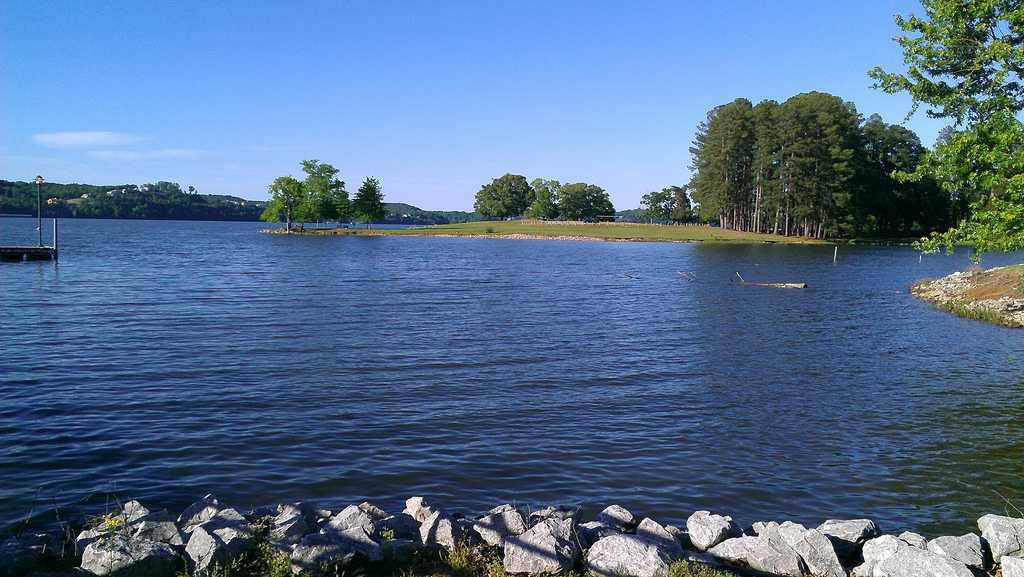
(781, 285)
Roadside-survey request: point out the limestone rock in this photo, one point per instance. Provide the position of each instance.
(356, 516)
(877, 550)
(593, 531)
(218, 540)
(552, 512)
(199, 512)
(849, 535)
(707, 530)
(656, 533)
(441, 531)
(910, 561)
(966, 549)
(547, 547)
(761, 553)
(1005, 535)
(913, 539)
(159, 531)
(88, 536)
(290, 526)
(318, 548)
(627, 556)
(812, 545)
(417, 508)
(497, 526)
(617, 517)
(125, 557)
(1012, 566)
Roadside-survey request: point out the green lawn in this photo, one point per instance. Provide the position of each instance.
(603, 231)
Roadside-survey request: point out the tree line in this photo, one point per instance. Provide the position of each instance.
(511, 196)
(321, 196)
(163, 200)
(811, 166)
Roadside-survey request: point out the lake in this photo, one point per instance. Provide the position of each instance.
(165, 360)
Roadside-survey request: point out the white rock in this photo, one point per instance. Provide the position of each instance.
(441, 531)
(1005, 535)
(617, 517)
(199, 512)
(218, 540)
(761, 554)
(849, 535)
(496, 527)
(627, 556)
(656, 533)
(547, 547)
(417, 508)
(966, 549)
(707, 530)
(123, 557)
(1012, 566)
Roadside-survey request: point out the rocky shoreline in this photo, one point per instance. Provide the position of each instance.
(995, 295)
(212, 538)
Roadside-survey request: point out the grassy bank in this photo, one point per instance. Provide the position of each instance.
(995, 295)
(614, 231)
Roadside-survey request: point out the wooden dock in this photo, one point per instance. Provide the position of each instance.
(26, 253)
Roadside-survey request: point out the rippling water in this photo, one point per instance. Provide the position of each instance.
(164, 360)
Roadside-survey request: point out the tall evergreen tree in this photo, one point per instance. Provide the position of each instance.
(368, 205)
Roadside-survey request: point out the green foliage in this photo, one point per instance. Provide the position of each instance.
(964, 62)
(582, 201)
(287, 201)
(545, 199)
(326, 197)
(689, 569)
(668, 204)
(808, 167)
(505, 196)
(682, 211)
(368, 206)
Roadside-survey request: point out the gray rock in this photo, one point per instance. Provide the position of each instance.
(199, 512)
(656, 533)
(132, 511)
(617, 517)
(913, 562)
(88, 536)
(592, 531)
(417, 508)
(118, 555)
(159, 531)
(218, 540)
(680, 536)
(966, 549)
(500, 509)
(913, 539)
(707, 530)
(1012, 566)
(290, 526)
(877, 550)
(812, 545)
(1005, 535)
(400, 526)
(551, 512)
(319, 548)
(849, 535)
(496, 527)
(766, 554)
(353, 516)
(441, 531)
(627, 556)
(547, 547)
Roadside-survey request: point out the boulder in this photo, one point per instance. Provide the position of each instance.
(592, 531)
(199, 512)
(441, 531)
(159, 531)
(132, 511)
(875, 551)
(218, 540)
(707, 530)
(618, 518)
(913, 539)
(87, 536)
(812, 545)
(910, 561)
(417, 508)
(356, 516)
(398, 549)
(659, 535)
(762, 553)
(497, 526)
(627, 556)
(290, 526)
(552, 512)
(1012, 566)
(124, 557)
(547, 547)
(400, 526)
(317, 549)
(849, 535)
(1005, 535)
(966, 549)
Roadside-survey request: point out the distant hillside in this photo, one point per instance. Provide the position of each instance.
(401, 213)
(167, 201)
(632, 215)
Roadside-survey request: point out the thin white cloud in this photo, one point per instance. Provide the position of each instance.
(84, 139)
(131, 155)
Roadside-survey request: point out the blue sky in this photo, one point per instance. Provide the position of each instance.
(434, 98)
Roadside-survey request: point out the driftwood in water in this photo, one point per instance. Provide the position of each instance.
(782, 285)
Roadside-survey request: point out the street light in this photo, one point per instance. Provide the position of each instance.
(39, 208)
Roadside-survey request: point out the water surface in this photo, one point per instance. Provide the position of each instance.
(164, 360)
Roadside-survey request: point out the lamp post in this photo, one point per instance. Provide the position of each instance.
(39, 208)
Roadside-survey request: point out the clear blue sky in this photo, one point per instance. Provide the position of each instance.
(434, 98)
